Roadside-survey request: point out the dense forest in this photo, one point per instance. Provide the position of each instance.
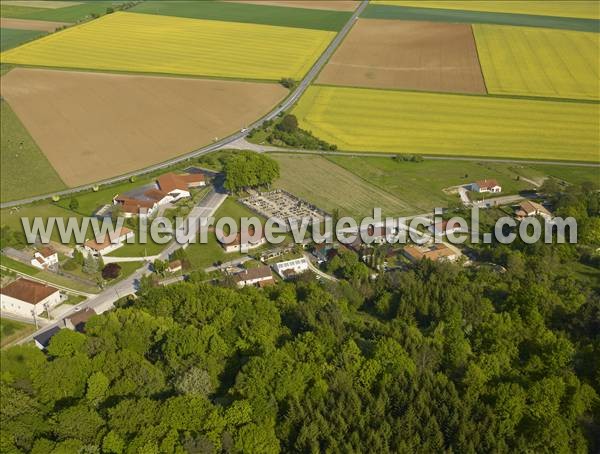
(436, 358)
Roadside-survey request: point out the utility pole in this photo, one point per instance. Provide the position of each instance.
(34, 319)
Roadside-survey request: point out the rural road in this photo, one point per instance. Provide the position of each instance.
(286, 104)
(105, 300)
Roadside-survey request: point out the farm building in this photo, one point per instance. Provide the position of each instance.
(44, 258)
(437, 252)
(25, 297)
(528, 209)
(486, 186)
(260, 276)
(77, 321)
(168, 188)
(290, 268)
(239, 244)
(98, 247)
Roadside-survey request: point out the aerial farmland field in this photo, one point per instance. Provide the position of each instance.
(585, 9)
(249, 12)
(539, 62)
(404, 54)
(10, 38)
(119, 42)
(336, 5)
(92, 126)
(27, 24)
(447, 124)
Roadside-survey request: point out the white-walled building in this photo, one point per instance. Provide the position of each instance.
(23, 296)
(44, 258)
(239, 244)
(291, 267)
(528, 208)
(259, 276)
(486, 186)
(104, 245)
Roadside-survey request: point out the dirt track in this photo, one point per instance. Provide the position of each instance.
(26, 24)
(336, 5)
(410, 55)
(92, 126)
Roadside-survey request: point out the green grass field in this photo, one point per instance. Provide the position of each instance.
(204, 255)
(24, 169)
(10, 38)
(539, 62)
(11, 330)
(456, 125)
(73, 13)
(331, 187)
(248, 13)
(587, 9)
(375, 11)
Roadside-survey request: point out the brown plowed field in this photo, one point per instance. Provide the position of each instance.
(93, 126)
(27, 24)
(336, 5)
(407, 55)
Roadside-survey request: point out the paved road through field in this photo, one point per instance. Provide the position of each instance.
(286, 104)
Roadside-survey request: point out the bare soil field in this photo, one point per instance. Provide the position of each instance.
(93, 126)
(335, 5)
(48, 4)
(27, 24)
(410, 55)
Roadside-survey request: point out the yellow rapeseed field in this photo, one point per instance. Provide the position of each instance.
(539, 62)
(358, 119)
(173, 45)
(584, 9)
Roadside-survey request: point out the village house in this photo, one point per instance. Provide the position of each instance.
(290, 268)
(43, 339)
(168, 188)
(77, 321)
(44, 258)
(260, 276)
(442, 228)
(486, 186)
(528, 208)
(436, 252)
(174, 266)
(239, 244)
(25, 297)
(104, 245)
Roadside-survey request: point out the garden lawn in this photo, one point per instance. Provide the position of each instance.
(11, 330)
(455, 125)
(248, 13)
(24, 170)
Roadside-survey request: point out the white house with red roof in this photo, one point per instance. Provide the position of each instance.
(24, 297)
(107, 243)
(486, 186)
(44, 258)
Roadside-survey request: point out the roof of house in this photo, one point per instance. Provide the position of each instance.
(528, 208)
(237, 240)
(175, 264)
(171, 181)
(46, 251)
(44, 338)
(81, 316)
(434, 253)
(261, 272)
(29, 291)
(487, 183)
(97, 245)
